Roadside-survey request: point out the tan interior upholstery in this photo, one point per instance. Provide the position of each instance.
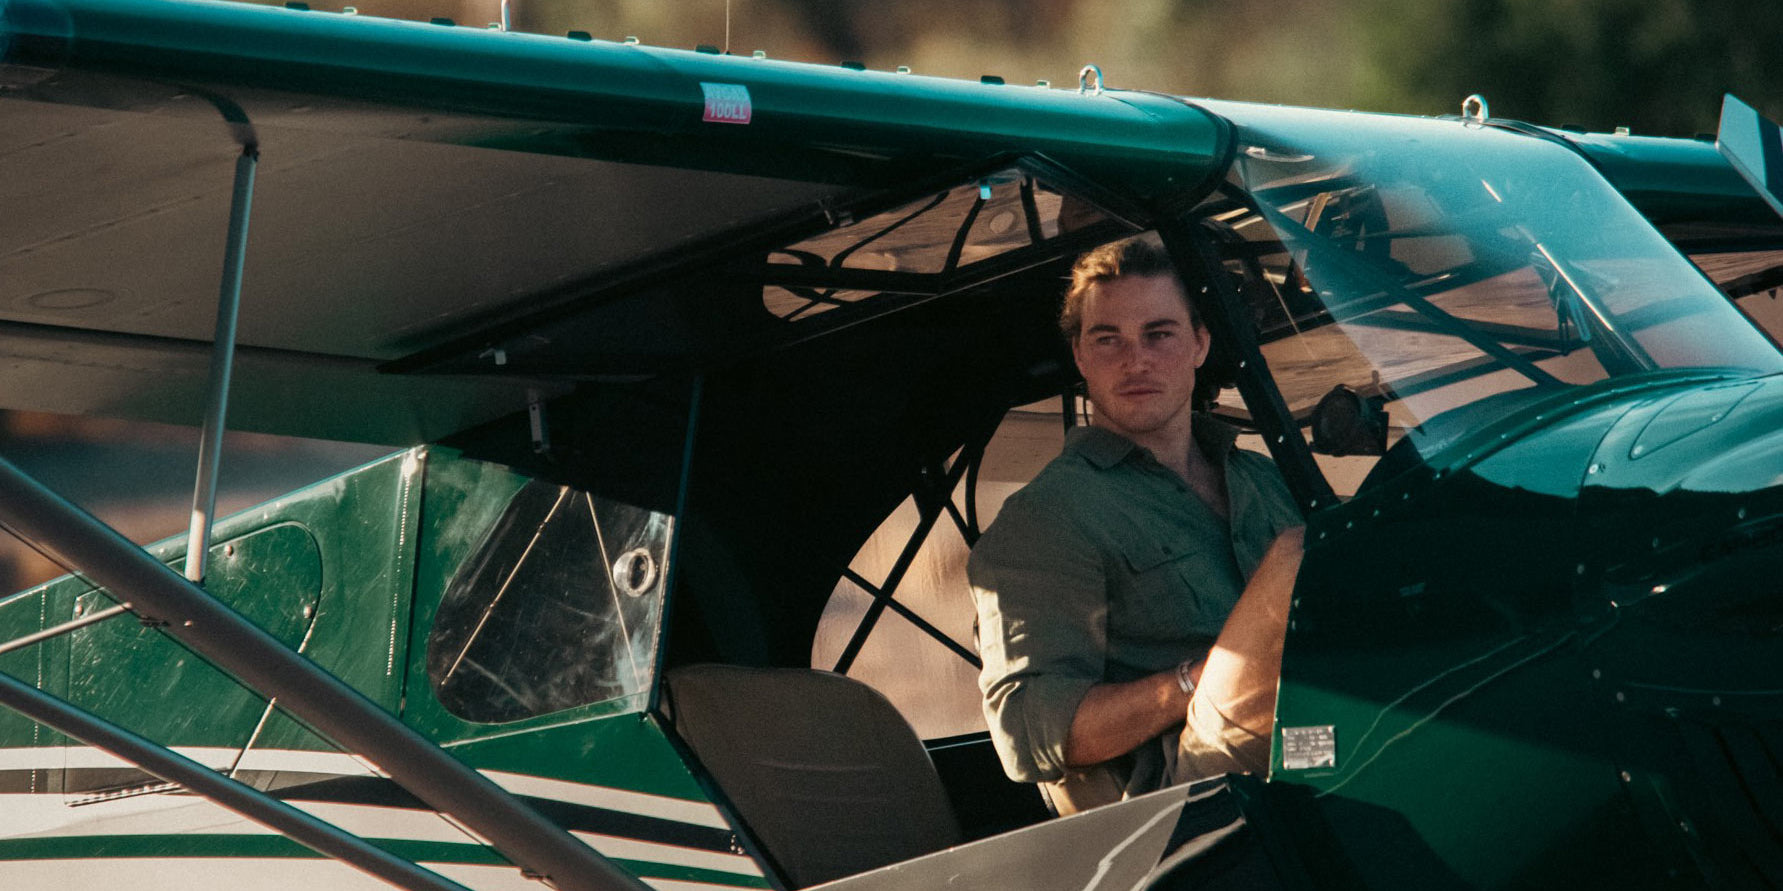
(825, 772)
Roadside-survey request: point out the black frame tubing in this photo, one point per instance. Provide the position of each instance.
(1224, 310)
(937, 489)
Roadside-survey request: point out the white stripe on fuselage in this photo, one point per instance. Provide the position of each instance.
(258, 874)
(26, 815)
(699, 813)
(45, 816)
(84, 758)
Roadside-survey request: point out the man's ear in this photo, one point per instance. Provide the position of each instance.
(1203, 341)
(1076, 357)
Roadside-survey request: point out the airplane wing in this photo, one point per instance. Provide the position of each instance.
(428, 195)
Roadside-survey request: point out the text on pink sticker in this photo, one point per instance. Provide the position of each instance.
(726, 103)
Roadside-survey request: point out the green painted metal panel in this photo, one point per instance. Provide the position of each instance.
(365, 522)
(620, 751)
(127, 672)
(1521, 673)
(327, 569)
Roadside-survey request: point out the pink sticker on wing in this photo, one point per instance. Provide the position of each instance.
(726, 103)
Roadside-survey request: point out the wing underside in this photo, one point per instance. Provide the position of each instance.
(420, 186)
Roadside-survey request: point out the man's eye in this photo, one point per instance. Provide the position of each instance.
(1160, 335)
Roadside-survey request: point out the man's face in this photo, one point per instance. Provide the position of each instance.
(1137, 352)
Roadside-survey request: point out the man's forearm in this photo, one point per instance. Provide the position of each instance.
(1115, 719)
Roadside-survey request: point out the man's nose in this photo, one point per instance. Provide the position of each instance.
(1135, 356)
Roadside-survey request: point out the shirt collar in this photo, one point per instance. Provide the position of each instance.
(1104, 448)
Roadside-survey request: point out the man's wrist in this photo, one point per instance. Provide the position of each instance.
(1185, 679)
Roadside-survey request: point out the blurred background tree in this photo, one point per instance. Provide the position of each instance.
(1656, 66)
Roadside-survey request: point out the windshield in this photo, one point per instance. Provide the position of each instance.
(1435, 266)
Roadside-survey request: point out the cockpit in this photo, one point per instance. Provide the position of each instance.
(1435, 266)
(1405, 285)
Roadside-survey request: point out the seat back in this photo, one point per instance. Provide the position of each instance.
(823, 770)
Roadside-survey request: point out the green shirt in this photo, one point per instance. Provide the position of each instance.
(1108, 568)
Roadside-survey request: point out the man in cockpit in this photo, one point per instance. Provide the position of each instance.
(1132, 599)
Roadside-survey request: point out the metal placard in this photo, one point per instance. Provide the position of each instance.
(1305, 748)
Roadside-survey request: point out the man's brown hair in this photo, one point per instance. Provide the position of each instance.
(1139, 255)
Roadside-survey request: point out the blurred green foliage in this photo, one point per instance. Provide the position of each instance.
(1656, 66)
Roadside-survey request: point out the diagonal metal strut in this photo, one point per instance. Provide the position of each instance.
(210, 444)
(322, 837)
(19, 643)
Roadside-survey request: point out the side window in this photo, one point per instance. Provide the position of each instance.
(921, 652)
(557, 605)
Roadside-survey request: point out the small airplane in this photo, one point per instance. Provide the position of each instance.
(664, 337)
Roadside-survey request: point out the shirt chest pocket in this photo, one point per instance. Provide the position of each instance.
(1171, 590)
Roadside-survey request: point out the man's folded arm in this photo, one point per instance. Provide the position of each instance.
(1116, 718)
(1042, 613)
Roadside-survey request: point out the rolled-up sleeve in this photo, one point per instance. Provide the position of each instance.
(1039, 588)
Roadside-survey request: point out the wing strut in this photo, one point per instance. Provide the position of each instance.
(185, 612)
(210, 444)
(317, 835)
